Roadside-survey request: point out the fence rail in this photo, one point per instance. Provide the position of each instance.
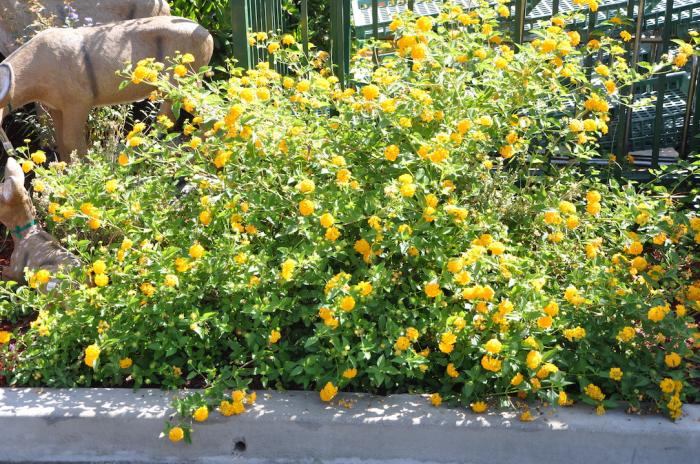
(672, 122)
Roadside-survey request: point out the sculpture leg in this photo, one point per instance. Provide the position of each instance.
(57, 119)
(73, 136)
(166, 109)
(41, 115)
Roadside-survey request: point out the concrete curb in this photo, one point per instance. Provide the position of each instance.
(116, 425)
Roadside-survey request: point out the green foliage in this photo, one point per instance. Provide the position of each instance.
(319, 20)
(214, 15)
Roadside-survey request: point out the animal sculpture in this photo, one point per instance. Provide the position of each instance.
(20, 20)
(34, 248)
(71, 71)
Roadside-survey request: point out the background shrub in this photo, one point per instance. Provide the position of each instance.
(393, 238)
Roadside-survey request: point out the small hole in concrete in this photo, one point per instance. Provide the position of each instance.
(239, 446)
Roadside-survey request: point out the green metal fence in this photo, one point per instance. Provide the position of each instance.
(673, 121)
(256, 16)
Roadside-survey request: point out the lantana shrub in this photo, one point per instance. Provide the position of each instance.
(405, 235)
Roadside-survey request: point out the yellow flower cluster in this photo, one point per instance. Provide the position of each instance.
(40, 277)
(99, 268)
(146, 71)
(657, 313)
(328, 392)
(92, 354)
(593, 391)
(615, 373)
(239, 400)
(326, 314)
(671, 390)
(288, 269)
(574, 334)
(573, 296)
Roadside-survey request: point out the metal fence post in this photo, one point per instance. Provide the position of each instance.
(519, 24)
(305, 26)
(692, 111)
(696, 115)
(336, 17)
(661, 90)
(375, 19)
(555, 8)
(239, 32)
(347, 31)
(340, 38)
(592, 20)
(689, 113)
(627, 123)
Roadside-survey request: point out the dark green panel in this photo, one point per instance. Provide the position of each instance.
(305, 26)
(239, 32)
(623, 147)
(661, 89)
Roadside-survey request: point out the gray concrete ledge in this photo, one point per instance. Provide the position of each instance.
(114, 425)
